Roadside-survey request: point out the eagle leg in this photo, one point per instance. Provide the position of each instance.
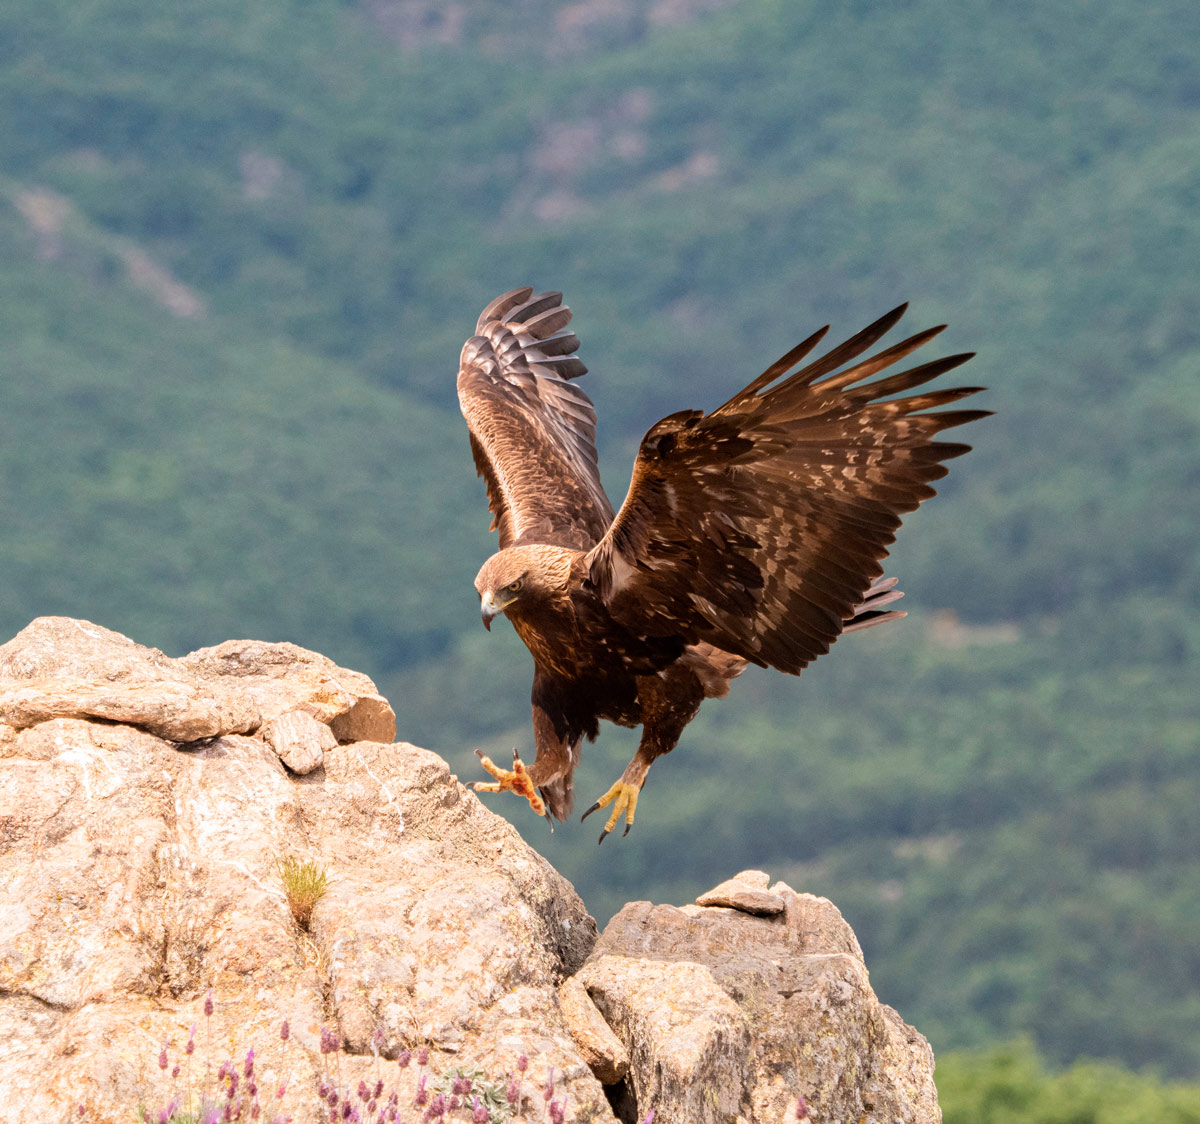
(625, 797)
(516, 780)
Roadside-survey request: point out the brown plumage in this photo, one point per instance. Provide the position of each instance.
(753, 533)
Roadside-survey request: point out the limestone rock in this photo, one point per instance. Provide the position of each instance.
(727, 1017)
(299, 740)
(144, 805)
(746, 891)
(601, 1049)
(136, 874)
(63, 668)
(284, 677)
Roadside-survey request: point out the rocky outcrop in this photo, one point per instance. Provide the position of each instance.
(63, 668)
(733, 1012)
(146, 804)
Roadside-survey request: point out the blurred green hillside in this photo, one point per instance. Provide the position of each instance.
(240, 247)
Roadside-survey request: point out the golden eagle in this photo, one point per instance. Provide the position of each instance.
(752, 533)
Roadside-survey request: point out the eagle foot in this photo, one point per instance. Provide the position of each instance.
(625, 797)
(515, 780)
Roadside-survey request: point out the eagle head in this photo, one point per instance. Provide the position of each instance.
(520, 574)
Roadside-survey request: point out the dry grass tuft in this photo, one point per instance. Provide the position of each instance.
(304, 883)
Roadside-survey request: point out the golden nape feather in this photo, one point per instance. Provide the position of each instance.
(752, 533)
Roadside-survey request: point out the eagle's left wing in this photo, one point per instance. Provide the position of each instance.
(533, 431)
(760, 527)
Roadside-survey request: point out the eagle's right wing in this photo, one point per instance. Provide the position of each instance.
(533, 431)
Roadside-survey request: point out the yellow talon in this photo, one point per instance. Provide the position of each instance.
(625, 797)
(515, 780)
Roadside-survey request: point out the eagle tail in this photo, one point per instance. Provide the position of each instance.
(870, 611)
(559, 796)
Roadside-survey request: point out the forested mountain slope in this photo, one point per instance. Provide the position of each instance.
(240, 247)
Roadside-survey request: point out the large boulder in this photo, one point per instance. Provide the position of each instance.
(139, 872)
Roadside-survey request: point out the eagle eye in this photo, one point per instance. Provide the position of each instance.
(514, 587)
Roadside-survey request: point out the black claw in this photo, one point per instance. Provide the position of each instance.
(479, 753)
(603, 836)
(594, 808)
(626, 831)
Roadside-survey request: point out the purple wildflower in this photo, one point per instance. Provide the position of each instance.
(548, 1091)
(285, 1031)
(421, 1096)
(208, 1004)
(190, 1048)
(557, 1110)
(162, 1057)
(423, 1056)
(403, 1058)
(378, 1090)
(522, 1064)
(248, 1071)
(461, 1085)
(649, 1119)
(801, 1108)
(175, 1070)
(480, 1115)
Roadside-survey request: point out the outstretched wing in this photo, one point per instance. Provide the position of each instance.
(760, 527)
(533, 431)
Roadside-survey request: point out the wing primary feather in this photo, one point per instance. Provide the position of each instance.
(855, 345)
(877, 363)
(780, 366)
(497, 309)
(913, 377)
(523, 313)
(546, 323)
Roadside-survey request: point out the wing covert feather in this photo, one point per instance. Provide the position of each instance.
(533, 431)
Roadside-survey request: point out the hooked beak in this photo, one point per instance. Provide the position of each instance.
(488, 610)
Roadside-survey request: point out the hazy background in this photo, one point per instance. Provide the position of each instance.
(241, 246)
